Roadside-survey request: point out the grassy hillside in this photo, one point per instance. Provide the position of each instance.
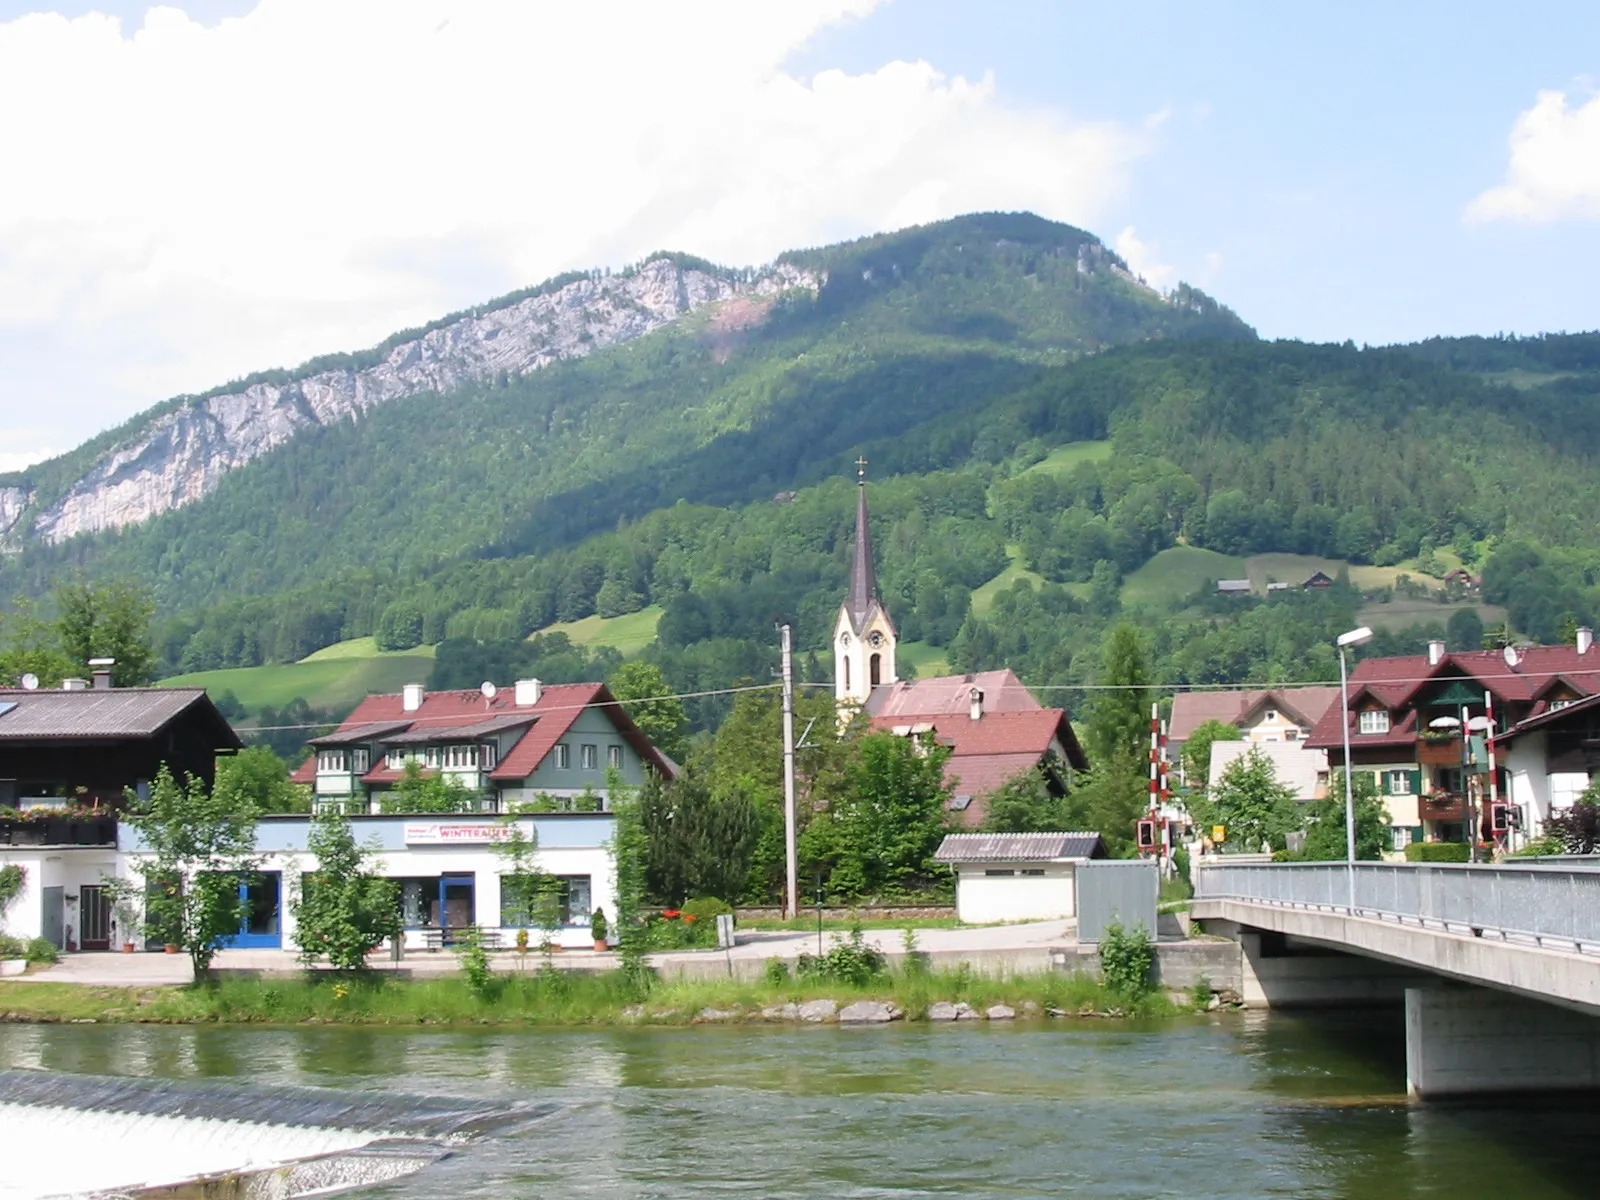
(1065, 458)
(983, 596)
(627, 634)
(330, 683)
(1175, 574)
(363, 647)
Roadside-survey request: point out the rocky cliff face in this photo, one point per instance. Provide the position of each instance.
(183, 454)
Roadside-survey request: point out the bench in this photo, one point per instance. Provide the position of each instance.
(434, 938)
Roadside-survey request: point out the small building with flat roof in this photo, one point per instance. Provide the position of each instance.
(1017, 876)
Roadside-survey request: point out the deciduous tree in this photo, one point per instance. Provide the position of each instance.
(344, 911)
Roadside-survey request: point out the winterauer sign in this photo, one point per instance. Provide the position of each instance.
(439, 834)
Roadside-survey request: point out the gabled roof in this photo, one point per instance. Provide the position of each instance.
(1190, 710)
(108, 713)
(466, 715)
(1550, 716)
(1002, 691)
(1019, 847)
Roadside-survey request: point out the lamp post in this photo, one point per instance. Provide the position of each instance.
(1356, 637)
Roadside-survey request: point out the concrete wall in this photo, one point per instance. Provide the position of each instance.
(983, 898)
(1179, 965)
(1473, 1041)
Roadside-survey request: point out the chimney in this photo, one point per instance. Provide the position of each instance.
(1585, 639)
(101, 673)
(411, 696)
(1435, 653)
(976, 696)
(528, 692)
(74, 685)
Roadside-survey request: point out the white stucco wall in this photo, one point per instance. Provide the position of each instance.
(983, 898)
(65, 867)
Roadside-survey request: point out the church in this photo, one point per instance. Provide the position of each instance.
(995, 728)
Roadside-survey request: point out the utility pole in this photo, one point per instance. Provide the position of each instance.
(791, 892)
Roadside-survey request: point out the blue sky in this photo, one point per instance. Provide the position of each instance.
(191, 198)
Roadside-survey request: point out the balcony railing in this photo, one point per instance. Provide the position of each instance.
(1450, 806)
(1556, 907)
(58, 831)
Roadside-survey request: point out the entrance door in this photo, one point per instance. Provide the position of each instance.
(456, 903)
(94, 907)
(260, 925)
(53, 918)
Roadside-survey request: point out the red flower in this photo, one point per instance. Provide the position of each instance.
(690, 918)
(669, 913)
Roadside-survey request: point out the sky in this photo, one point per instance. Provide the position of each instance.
(194, 192)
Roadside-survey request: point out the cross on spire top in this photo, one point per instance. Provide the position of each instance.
(861, 468)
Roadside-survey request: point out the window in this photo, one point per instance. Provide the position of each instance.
(563, 756)
(1032, 871)
(1398, 784)
(490, 755)
(613, 756)
(1291, 735)
(590, 756)
(431, 756)
(1556, 704)
(460, 756)
(1271, 715)
(332, 760)
(1404, 835)
(396, 760)
(999, 871)
(362, 757)
(1374, 720)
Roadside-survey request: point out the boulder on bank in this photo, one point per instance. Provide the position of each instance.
(781, 1012)
(869, 1012)
(1000, 1012)
(944, 1010)
(717, 1014)
(817, 1011)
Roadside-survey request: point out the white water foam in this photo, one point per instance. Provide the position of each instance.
(63, 1152)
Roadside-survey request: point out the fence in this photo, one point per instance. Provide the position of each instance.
(1547, 904)
(1117, 892)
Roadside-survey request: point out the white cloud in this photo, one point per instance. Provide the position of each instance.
(1142, 259)
(13, 460)
(1554, 173)
(185, 203)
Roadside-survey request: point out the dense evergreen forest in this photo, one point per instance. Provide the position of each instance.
(705, 469)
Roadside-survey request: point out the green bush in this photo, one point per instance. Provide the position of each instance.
(849, 960)
(12, 947)
(597, 925)
(1126, 956)
(1438, 852)
(41, 950)
(777, 972)
(707, 909)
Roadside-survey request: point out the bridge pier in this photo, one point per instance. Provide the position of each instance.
(1473, 1041)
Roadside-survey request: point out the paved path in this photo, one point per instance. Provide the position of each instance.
(147, 970)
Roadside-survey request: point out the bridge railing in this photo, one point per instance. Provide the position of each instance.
(1543, 905)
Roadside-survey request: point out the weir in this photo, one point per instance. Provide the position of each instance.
(84, 1135)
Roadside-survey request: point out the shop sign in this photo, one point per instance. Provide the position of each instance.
(438, 833)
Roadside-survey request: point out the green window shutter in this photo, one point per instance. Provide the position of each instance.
(1416, 783)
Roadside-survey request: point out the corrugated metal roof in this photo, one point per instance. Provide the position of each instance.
(114, 713)
(1018, 847)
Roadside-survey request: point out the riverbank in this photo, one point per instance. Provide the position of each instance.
(574, 998)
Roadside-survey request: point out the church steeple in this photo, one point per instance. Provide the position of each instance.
(863, 577)
(863, 636)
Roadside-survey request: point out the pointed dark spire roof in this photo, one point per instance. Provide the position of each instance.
(863, 578)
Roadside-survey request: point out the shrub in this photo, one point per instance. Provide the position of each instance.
(1126, 957)
(1438, 852)
(41, 950)
(12, 947)
(777, 972)
(475, 965)
(597, 924)
(849, 960)
(1200, 995)
(707, 909)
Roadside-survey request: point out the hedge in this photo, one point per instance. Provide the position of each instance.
(1438, 852)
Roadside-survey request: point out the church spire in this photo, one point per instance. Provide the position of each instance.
(863, 578)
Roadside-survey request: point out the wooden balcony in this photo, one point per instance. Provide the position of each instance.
(1439, 752)
(1450, 807)
(59, 831)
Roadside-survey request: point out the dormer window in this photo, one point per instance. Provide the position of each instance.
(1374, 720)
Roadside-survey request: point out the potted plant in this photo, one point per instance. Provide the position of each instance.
(597, 930)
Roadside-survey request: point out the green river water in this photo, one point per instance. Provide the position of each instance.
(1240, 1105)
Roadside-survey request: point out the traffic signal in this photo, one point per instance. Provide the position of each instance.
(1149, 835)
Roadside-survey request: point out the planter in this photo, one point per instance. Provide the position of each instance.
(601, 945)
(127, 947)
(171, 947)
(13, 966)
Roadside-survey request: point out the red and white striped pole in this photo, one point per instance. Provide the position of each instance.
(1494, 780)
(1155, 758)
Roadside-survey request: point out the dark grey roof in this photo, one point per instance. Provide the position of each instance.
(114, 713)
(426, 735)
(1018, 847)
(372, 731)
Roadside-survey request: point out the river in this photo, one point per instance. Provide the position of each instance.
(1240, 1105)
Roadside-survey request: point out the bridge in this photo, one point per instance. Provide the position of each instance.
(1498, 967)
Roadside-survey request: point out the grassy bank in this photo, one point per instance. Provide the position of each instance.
(553, 998)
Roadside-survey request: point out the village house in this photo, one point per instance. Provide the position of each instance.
(1294, 764)
(1017, 876)
(1418, 725)
(996, 730)
(68, 757)
(552, 746)
(1261, 715)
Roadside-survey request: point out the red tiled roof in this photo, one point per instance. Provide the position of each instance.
(469, 714)
(1002, 691)
(306, 772)
(1394, 682)
(1190, 710)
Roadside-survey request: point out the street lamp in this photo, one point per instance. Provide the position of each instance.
(1356, 637)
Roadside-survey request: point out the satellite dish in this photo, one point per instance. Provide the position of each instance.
(488, 689)
(1511, 656)
(30, 682)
